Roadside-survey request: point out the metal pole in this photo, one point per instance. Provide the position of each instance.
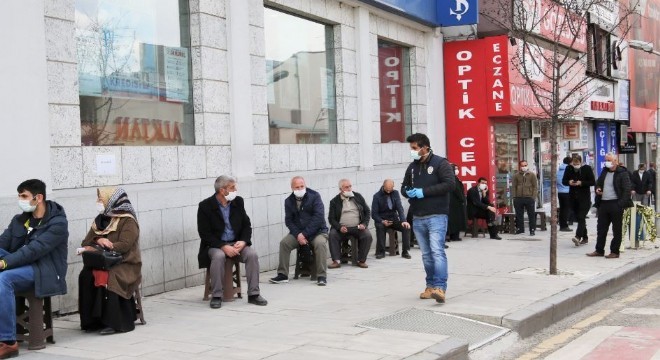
(657, 160)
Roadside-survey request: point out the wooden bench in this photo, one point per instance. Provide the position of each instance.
(304, 269)
(349, 250)
(541, 220)
(508, 223)
(138, 305)
(34, 321)
(476, 226)
(393, 246)
(232, 281)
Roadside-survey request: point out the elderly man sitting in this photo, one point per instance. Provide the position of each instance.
(387, 212)
(348, 215)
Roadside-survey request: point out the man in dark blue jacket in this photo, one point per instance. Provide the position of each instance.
(304, 215)
(387, 212)
(427, 183)
(33, 256)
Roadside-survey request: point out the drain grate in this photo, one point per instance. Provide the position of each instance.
(476, 333)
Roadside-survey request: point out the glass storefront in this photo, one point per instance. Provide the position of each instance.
(506, 160)
(134, 72)
(394, 89)
(300, 73)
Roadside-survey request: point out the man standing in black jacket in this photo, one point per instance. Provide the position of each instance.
(580, 178)
(613, 190)
(349, 215)
(33, 256)
(642, 184)
(304, 216)
(427, 183)
(226, 232)
(387, 212)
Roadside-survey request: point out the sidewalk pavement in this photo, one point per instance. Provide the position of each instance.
(498, 282)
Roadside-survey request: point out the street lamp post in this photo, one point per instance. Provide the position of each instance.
(648, 47)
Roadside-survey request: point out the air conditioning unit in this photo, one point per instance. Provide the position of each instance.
(536, 128)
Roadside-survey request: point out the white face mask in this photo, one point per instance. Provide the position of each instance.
(456, 172)
(414, 154)
(25, 205)
(524, 169)
(299, 193)
(348, 194)
(100, 207)
(483, 186)
(231, 195)
(608, 164)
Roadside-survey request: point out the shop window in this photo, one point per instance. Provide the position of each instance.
(300, 73)
(506, 158)
(134, 72)
(598, 53)
(394, 89)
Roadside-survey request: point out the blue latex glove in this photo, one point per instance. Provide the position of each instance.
(411, 193)
(419, 192)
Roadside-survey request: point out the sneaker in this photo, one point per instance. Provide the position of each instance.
(584, 241)
(438, 294)
(405, 255)
(280, 279)
(566, 229)
(532, 233)
(576, 241)
(321, 281)
(8, 351)
(426, 294)
(380, 256)
(520, 232)
(216, 303)
(334, 265)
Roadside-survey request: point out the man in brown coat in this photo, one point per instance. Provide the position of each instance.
(525, 189)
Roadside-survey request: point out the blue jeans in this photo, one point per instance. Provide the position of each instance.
(430, 232)
(12, 281)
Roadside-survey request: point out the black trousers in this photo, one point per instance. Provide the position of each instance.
(564, 209)
(521, 204)
(101, 308)
(489, 216)
(364, 243)
(609, 212)
(381, 232)
(581, 209)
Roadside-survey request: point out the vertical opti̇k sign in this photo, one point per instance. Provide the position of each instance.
(392, 119)
(601, 138)
(468, 126)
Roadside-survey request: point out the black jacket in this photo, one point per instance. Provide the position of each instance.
(334, 214)
(622, 186)
(641, 186)
(477, 207)
(211, 225)
(380, 211)
(309, 219)
(45, 248)
(587, 178)
(436, 179)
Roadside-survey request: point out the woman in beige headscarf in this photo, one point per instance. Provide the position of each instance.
(105, 300)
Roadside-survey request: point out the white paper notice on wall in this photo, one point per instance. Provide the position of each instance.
(106, 165)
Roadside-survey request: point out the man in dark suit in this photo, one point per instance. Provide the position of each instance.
(387, 212)
(225, 232)
(479, 207)
(642, 185)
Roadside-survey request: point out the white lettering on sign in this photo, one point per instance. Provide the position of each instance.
(497, 87)
(464, 70)
(467, 156)
(395, 115)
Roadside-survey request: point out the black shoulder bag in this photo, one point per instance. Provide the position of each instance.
(101, 258)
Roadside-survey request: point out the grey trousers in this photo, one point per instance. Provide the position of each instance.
(643, 198)
(364, 244)
(217, 269)
(318, 243)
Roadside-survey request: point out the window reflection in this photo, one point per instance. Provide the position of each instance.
(134, 72)
(300, 80)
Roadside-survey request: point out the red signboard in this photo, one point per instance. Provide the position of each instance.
(551, 20)
(390, 69)
(497, 76)
(467, 123)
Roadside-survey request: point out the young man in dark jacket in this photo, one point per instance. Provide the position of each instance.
(387, 212)
(225, 231)
(480, 207)
(304, 215)
(427, 183)
(33, 256)
(642, 185)
(579, 178)
(612, 196)
(349, 215)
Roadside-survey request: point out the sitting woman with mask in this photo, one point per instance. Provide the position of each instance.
(105, 298)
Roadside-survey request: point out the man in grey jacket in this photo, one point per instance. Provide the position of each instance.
(33, 256)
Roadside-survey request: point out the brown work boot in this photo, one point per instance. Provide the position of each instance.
(595, 253)
(8, 351)
(438, 294)
(334, 265)
(426, 294)
(362, 264)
